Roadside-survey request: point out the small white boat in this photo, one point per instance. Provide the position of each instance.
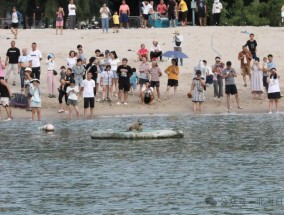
(146, 134)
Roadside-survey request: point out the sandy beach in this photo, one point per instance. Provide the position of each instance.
(199, 43)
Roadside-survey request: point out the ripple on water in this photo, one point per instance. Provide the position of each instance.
(225, 157)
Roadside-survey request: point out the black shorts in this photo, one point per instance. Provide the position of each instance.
(124, 85)
(15, 25)
(146, 16)
(275, 95)
(155, 84)
(89, 102)
(183, 15)
(231, 89)
(172, 83)
(171, 15)
(142, 81)
(201, 14)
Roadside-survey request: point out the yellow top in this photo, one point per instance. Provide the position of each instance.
(115, 19)
(183, 6)
(171, 73)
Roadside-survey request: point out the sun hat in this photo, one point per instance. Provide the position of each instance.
(28, 69)
(34, 81)
(50, 55)
(176, 32)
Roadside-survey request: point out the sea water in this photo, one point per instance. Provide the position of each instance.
(225, 164)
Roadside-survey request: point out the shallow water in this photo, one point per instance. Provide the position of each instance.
(237, 160)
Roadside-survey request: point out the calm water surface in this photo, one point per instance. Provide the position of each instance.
(225, 164)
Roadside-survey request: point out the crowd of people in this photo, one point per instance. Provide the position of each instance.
(174, 11)
(104, 77)
(82, 80)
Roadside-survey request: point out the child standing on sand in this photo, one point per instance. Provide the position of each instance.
(115, 19)
(72, 93)
(133, 81)
(156, 73)
(35, 99)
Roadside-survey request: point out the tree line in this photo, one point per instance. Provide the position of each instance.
(235, 12)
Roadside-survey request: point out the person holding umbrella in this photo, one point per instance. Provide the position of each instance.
(172, 72)
(178, 40)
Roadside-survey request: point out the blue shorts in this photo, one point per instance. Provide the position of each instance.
(115, 76)
(123, 18)
(134, 85)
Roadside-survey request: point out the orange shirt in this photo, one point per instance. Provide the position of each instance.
(171, 74)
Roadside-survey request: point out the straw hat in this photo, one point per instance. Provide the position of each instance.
(35, 80)
(176, 32)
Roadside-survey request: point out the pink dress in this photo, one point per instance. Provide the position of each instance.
(58, 16)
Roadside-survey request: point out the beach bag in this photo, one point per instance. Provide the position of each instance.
(59, 19)
(18, 100)
(178, 43)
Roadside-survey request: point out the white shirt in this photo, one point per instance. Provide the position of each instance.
(71, 10)
(72, 95)
(107, 77)
(146, 8)
(50, 65)
(217, 7)
(25, 58)
(88, 86)
(104, 12)
(36, 56)
(273, 86)
(71, 62)
(155, 48)
(113, 63)
(151, 89)
(15, 17)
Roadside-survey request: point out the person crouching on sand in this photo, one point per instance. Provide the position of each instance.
(147, 94)
(172, 72)
(35, 100)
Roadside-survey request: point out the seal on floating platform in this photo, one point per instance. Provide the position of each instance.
(136, 126)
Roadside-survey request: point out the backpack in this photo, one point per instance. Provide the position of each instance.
(177, 42)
